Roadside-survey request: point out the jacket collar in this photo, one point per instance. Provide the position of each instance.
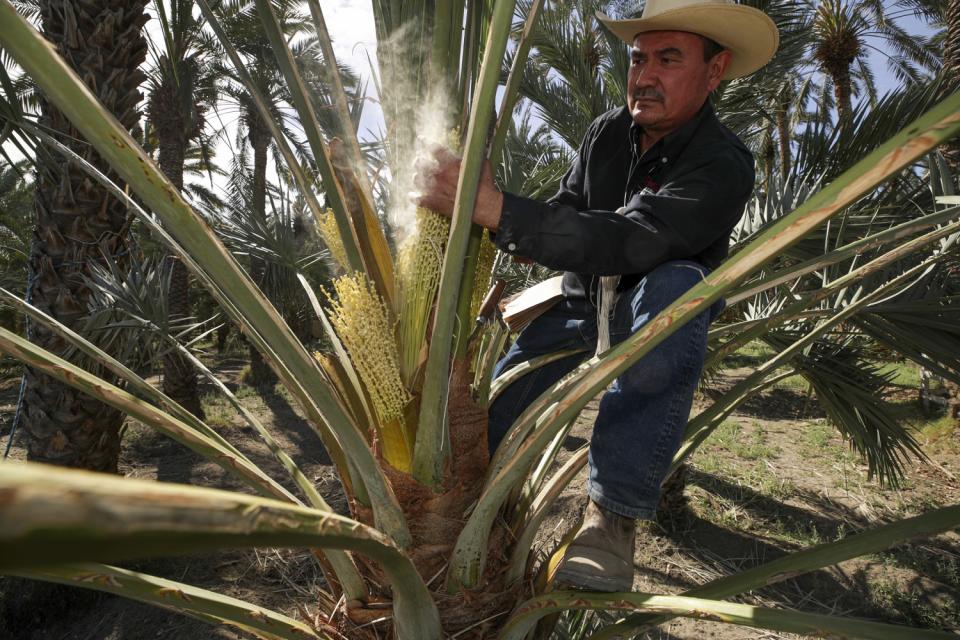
(670, 146)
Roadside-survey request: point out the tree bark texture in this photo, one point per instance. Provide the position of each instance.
(769, 159)
(261, 374)
(842, 91)
(79, 224)
(951, 45)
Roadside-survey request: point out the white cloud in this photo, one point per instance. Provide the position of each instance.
(351, 27)
(352, 30)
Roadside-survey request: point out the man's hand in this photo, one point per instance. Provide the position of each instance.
(436, 180)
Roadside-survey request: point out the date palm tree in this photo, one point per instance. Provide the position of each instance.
(436, 529)
(182, 90)
(78, 223)
(944, 17)
(843, 34)
(240, 19)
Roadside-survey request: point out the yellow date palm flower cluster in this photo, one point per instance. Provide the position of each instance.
(365, 326)
(419, 263)
(330, 232)
(485, 259)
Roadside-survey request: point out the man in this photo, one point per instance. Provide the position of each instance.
(642, 215)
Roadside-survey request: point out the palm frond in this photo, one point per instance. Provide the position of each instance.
(851, 388)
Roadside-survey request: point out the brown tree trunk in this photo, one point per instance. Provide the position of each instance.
(951, 44)
(78, 223)
(769, 157)
(842, 90)
(223, 332)
(783, 137)
(261, 374)
(179, 376)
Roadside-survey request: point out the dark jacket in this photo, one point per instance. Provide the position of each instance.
(682, 198)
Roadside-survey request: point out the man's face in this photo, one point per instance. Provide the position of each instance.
(668, 80)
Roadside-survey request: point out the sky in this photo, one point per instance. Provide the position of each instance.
(878, 61)
(350, 23)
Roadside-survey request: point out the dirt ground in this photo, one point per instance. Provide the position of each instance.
(775, 477)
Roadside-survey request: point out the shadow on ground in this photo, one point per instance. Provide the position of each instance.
(915, 583)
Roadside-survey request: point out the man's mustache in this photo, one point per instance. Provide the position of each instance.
(648, 94)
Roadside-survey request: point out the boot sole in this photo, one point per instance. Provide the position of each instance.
(585, 578)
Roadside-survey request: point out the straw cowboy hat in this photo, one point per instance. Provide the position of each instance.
(748, 33)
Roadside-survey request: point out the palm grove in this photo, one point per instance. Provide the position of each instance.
(138, 226)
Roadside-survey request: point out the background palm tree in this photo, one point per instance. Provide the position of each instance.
(15, 222)
(944, 17)
(576, 70)
(182, 89)
(78, 223)
(843, 34)
(249, 186)
(951, 61)
(280, 243)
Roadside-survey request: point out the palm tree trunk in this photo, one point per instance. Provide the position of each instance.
(78, 224)
(261, 374)
(769, 157)
(842, 90)
(179, 377)
(951, 44)
(783, 136)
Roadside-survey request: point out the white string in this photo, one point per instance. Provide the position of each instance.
(606, 303)
(605, 307)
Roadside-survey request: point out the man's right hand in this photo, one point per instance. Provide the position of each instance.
(436, 180)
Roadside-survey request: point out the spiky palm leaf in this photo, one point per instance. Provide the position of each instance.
(416, 526)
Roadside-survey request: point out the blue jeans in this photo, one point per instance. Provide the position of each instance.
(643, 413)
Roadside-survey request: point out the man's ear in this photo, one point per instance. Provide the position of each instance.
(717, 67)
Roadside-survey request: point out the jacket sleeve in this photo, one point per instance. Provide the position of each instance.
(688, 214)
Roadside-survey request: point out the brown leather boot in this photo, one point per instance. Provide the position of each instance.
(600, 557)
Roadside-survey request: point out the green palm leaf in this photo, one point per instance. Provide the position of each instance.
(67, 516)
